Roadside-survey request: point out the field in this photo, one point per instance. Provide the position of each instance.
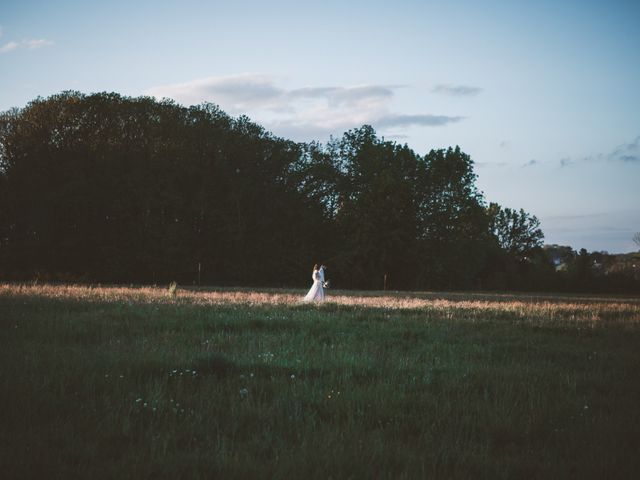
(115, 382)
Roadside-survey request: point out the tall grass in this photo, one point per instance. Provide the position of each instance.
(133, 383)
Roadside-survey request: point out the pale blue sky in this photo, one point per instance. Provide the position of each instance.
(543, 95)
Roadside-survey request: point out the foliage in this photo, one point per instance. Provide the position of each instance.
(518, 233)
(109, 188)
(117, 189)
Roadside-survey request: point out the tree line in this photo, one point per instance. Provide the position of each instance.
(108, 188)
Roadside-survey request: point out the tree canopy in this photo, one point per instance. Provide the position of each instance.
(109, 188)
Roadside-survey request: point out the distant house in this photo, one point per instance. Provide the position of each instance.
(560, 256)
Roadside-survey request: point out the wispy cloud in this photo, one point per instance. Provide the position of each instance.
(345, 95)
(394, 120)
(625, 153)
(531, 163)
(312, 112)
(28, 44)
(456, 90)
(9, 46)
(36, 43)
(236, 93)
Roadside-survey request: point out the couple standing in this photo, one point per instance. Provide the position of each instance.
(316, 293)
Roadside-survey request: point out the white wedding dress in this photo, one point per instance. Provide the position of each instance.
(316, 293)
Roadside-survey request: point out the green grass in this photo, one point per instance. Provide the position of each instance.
(105, 388)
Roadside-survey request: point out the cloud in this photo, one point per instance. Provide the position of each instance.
(345, 95)
(239, 93)
(7, 47)
(456, 90)
(306, 113)
(28, 44)
(394, 120)
(566, 161)
(236, 93)
(505, 144)
(625, 153)
(531, 163)
(36, 43)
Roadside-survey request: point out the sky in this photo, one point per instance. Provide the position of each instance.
(544, 96)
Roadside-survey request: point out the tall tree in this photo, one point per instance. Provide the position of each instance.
(517, 232)
(376, 211)
(119, 189)
(451, 220)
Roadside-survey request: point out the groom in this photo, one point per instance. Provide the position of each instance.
(321, 272)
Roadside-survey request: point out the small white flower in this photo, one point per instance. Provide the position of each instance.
(244, 393)
(293, 377)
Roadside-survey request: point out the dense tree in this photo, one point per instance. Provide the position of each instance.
(517, 232)
(452, 224)
(112, 188)
(375, 217)
(109, 188)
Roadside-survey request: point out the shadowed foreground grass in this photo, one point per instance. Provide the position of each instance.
(131, 383)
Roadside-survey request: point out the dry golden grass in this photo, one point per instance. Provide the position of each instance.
(450, 305)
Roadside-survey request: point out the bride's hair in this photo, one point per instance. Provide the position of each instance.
(315, 266)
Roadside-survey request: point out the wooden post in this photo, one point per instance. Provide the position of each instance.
(385, 282)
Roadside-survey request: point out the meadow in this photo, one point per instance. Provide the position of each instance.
(137, 382)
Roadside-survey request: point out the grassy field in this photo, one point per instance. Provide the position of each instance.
(114, 382)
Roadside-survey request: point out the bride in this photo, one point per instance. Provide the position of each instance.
(316, 293)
